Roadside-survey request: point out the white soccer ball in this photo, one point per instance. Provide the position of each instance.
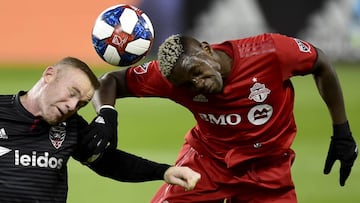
(122, 35)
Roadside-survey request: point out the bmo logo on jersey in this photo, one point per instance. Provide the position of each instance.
(229, 119)
(34, 159)
(257, 115)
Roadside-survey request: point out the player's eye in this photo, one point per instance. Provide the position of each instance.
(72, 93)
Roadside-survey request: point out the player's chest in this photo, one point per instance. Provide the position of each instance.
(239, 94)
(22, 146)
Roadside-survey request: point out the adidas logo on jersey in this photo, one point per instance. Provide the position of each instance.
(4, 150)
(3, 134)
(100, 119)
(200, 98)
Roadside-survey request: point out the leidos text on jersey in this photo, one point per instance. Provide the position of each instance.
(35, 160)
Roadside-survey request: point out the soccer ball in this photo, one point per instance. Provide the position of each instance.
(122, 35)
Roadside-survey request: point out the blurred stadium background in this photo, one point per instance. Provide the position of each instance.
(35, 34)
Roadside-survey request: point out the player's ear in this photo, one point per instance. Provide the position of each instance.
(49, 74)
(206, 46)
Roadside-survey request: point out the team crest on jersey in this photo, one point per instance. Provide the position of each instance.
(303, 46)
(141, 69)
(57, 135)
(258, 92)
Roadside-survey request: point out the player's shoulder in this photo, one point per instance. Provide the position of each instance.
(151, 67)
(255, 40)
(286, 39)
(8, 105)
(269, 37)
(7, 100)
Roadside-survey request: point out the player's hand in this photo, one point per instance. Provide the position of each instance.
(100, 134)
(342, 148)
(182, 176)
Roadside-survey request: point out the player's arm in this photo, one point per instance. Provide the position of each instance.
(343, 146)
(126, 167)
(93, 151)
(123, 166)
(113, 86)
(329, 87)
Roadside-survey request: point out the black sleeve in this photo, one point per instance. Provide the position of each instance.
(125, 167)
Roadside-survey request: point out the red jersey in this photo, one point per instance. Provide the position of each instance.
(253, 116)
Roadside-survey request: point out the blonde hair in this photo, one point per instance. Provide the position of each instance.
(169, 53)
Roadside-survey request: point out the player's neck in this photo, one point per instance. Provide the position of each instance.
(29, 103)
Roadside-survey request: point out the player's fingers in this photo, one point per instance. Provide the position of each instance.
(101, 145)
(191, 182)
(97, 144)
(181, 182)
(344, 174)
(191, 178)
(88, 134)
(345, 169)
(182, 176)
(92, 142)
(330, 160)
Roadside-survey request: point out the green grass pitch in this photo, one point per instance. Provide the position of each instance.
(154, 128)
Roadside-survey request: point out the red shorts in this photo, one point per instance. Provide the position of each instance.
(255, 181)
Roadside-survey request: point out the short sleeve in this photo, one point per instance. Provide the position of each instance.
(296, 56)
(147, 80)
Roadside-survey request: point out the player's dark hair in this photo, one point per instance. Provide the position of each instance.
(77, 63)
